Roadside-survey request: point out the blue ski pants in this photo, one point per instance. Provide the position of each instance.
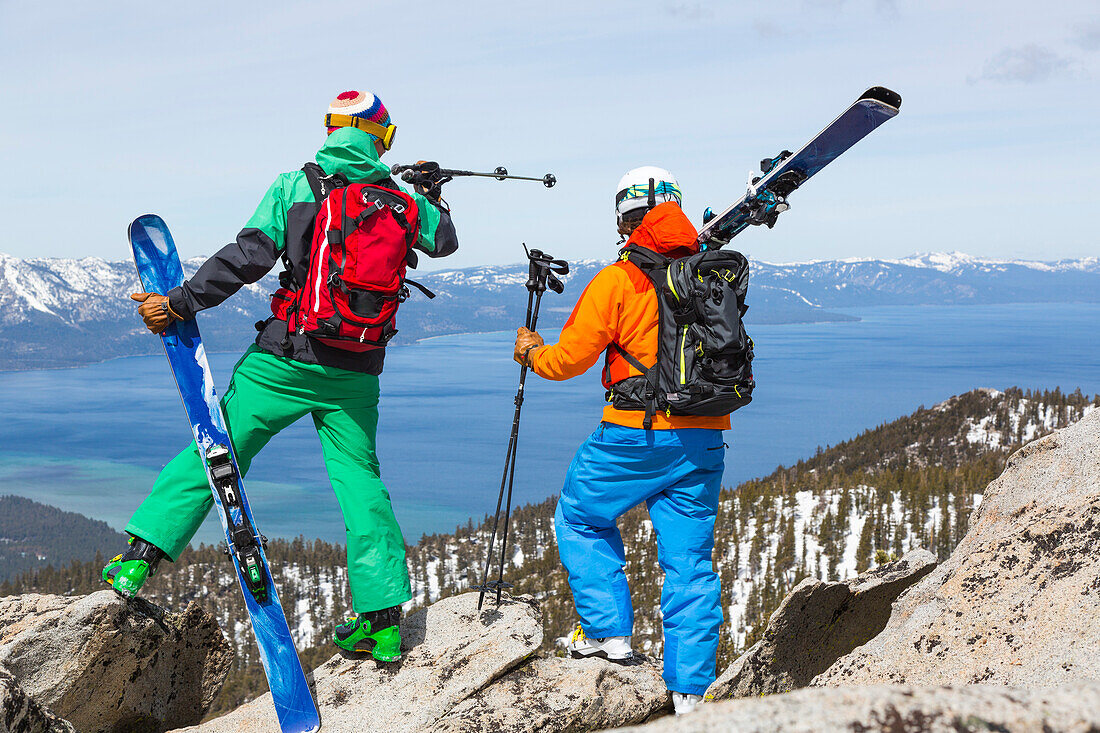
(677, 473)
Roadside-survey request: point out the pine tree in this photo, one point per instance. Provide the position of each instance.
(863, 550)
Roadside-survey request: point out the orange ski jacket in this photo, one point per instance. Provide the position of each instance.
(619, 307)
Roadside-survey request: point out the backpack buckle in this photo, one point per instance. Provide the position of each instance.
(373, 205)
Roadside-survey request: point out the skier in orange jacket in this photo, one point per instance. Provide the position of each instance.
(676, 467)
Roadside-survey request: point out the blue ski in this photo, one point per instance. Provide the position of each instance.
(160, 270)
(767, 194)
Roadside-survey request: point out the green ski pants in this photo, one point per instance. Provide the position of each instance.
(266, 394)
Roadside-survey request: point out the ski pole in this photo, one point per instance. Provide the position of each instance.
(542, 274)
(419, 172)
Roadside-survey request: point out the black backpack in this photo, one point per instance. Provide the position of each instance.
(704, 356)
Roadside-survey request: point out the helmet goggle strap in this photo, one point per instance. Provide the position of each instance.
(648, 190)
(385, 133)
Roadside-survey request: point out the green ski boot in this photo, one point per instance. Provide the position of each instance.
(375, 632)
(127, 572)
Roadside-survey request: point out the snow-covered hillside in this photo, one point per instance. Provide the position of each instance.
(913, 482)
(907, 484)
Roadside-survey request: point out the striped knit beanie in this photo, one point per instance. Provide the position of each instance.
(359, 104)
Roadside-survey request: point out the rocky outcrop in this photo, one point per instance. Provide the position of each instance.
(817, 623)
(103, 663)
(19, 713)
(468, 670)
(560, 694)
(1018, 602)
(1071, 708)
(1003, 636)
(450, 650)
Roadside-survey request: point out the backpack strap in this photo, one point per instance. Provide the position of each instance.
(653, 265)
(643, 258)
(650, 374)
(322, 185)
(420, 287)
(630, 359)
(383, 198)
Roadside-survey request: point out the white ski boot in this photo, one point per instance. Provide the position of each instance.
(684, 703)
(612, 648)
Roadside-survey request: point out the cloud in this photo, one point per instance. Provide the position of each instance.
(1088, 36)
(1028, 64)
(770, 30)
(887, 8)
(692, 11)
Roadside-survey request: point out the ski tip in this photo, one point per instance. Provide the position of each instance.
(882, 95)
(147, 220)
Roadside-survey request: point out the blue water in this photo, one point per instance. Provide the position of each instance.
(92, 439)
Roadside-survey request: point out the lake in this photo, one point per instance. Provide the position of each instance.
(92, 439)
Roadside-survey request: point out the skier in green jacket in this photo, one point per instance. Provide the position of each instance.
(287, 375)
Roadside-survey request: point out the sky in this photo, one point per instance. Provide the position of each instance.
(191, 109)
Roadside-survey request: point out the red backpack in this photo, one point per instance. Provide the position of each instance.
(361, 246)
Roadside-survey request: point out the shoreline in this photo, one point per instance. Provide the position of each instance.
(423, 339)
(852, 311)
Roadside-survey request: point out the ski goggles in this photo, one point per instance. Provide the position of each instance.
(642, 191)
(385, 133)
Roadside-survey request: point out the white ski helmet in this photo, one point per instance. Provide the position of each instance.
(643, 188)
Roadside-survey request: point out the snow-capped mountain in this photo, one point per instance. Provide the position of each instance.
(958, 261)
(61, 312)
(935, 279)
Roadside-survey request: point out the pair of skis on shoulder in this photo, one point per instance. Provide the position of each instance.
(766, 197)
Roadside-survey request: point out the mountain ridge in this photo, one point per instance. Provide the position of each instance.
(57, 312)
(34, 535)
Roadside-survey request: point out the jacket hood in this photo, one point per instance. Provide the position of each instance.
(667, 231)
(351, 152)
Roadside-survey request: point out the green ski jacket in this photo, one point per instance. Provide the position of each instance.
(281, 229)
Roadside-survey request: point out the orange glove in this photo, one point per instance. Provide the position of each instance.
(526, 342)
(155, 311)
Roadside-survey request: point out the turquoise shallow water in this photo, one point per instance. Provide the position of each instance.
(92, 439)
